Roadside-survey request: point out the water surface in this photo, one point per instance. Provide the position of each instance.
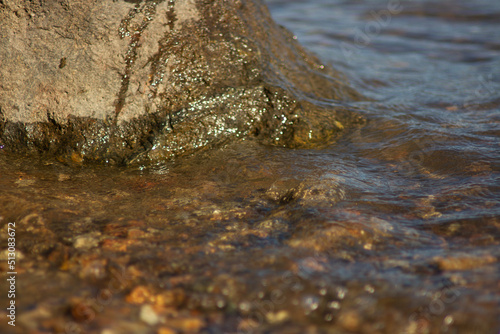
(392, 229)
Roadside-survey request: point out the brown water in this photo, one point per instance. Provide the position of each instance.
(393, 229)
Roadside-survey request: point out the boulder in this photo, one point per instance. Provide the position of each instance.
(124, 81)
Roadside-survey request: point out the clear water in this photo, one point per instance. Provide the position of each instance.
(393, 229)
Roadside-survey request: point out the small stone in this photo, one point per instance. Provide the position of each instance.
(82, 311)
(117, 245)
(172, 298)
(76, 157)
(63, 177)
(135, 233)
(25, 182)
(277, 317)
(140, 295)
(95, 269)
(148, 315)
(4, 255)
(85, 242)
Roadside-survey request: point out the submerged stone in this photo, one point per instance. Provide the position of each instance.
(123, 81)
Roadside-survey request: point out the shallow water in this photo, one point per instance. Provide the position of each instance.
(393, 229)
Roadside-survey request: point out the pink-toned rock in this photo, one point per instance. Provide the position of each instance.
(122, 81)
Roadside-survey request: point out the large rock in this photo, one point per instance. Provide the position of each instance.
(131, 80)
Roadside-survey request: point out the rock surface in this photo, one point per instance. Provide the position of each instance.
(123, 80)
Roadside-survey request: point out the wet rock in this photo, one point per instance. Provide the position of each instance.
(323, 191)
(141, 295)
(359, 232)
(122, 81)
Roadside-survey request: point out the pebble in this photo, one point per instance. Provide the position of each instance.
(140, 295)
(135, 233)
(86, 241)
(277, 317)
(63, 177)
(148, 315)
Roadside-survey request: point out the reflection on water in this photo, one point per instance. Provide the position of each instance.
(393, 229)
